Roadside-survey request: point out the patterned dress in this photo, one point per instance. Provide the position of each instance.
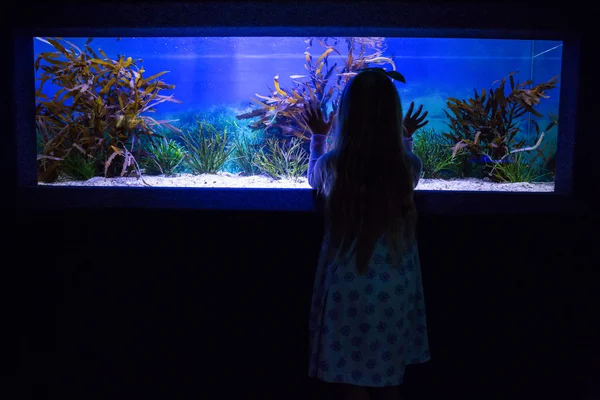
(365, 329)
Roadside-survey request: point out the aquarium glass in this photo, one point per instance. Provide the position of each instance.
(221, 111)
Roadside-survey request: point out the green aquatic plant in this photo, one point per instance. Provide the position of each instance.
(99, 108)
(545, 155)
(465, 167)
(520, 169)
(207, 149)
(488, 123)
(278, 112)
(163, 157)
(435, 153)
(78, 167)
(220, 117)
(518, 166)
(282, 160)
(246, 145)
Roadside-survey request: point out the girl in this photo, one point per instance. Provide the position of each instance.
(368, 314)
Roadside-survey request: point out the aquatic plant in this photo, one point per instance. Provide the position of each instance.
(435, 153)
(517, 166)
(98, 109)
(545, 156)
(465, 167)
(550, 164)
(282, 160)
(162, 157)
(519, 170)
(278, 112)
(245, 147)
(221, 117)
(78, 166)
(488, 123)
(129, 164)
(207, 149)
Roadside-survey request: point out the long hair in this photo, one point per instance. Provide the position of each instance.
(369, 189)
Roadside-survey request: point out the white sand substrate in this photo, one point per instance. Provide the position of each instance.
(227, 180)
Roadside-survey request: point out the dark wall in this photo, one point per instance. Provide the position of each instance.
(134, 304)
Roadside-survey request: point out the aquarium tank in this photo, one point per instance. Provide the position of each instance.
(223, 111)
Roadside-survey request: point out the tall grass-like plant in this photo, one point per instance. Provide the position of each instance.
(246, 146)
(519, 170)
(207, 149)
(163, 157)
(78, 167)
(220, 117)
(281, 160)
(434, 153)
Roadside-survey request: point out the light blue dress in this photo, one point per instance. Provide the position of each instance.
(365, 329)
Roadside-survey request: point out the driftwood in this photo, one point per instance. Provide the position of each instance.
(535, 146)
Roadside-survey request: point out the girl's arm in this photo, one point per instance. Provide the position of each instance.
(316, 165)
(416, 165)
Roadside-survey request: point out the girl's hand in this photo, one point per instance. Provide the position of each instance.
(312, 116)
(412, 122)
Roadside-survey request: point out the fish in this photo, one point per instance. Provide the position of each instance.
(270, 99)
(382, 60)
(376, 42)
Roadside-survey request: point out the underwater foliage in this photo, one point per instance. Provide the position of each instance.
(163, 157)
(550, 164)
(525, 167)
(488, 123)
(245, 148)
(519, 170)
(129, 163)
(207, 149)
(282, 160)
(98, 109)
(435, 154)
(323, 82)
(78, 167)
(220, 117)
(99, 121)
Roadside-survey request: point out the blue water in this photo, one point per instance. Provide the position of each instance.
(228, 71)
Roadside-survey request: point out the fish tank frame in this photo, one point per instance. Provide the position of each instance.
(158, 20)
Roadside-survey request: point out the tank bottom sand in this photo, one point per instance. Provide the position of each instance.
(226, 180)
